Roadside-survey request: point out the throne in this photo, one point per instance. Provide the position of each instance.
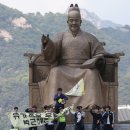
(39, 70)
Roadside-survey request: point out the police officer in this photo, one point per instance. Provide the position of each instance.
(61, 120)
(108, 119)
(79, 118)
(96, 118)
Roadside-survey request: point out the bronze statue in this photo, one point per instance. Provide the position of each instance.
(73, 55)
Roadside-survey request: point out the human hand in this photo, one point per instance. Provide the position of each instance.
(44, 39)
(63, 101)
(98, 121)
(112, 125)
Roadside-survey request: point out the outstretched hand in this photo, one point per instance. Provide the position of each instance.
(44, 39)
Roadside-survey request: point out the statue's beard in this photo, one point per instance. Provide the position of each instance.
(74, 30)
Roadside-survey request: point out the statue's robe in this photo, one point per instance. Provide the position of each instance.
(72, 59)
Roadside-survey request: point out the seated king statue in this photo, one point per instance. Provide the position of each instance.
(73, 56)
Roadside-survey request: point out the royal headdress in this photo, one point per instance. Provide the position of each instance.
(74, 8)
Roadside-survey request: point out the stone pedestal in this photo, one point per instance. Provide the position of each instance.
(39, 69)
(89, 127)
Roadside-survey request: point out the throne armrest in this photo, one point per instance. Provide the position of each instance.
(115, 55)
(38, 67)
(109, 72)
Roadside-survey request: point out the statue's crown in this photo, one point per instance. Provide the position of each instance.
(74, 8)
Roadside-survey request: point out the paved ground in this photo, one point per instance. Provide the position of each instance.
(89, 127)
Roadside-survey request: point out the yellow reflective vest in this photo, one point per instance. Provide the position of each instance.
(61, 118)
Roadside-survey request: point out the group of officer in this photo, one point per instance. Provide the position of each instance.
(103, 117)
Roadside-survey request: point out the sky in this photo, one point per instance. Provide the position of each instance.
(117, 11)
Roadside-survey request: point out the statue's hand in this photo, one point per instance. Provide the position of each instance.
(44, 39)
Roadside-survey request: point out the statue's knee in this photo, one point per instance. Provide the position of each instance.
(92, 72)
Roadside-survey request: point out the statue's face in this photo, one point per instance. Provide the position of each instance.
(74, 21)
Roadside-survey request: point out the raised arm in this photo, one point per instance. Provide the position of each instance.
(48, 49)
(52, 48)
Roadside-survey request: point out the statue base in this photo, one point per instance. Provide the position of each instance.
(39, 69)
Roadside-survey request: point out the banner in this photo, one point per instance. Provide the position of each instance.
(77, 90)
(26, 120)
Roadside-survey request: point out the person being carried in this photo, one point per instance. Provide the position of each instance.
(60, 100)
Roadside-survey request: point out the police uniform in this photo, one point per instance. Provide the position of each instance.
(61, 122)
(108, 120)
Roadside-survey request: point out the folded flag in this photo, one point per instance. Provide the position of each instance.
(77, 90)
